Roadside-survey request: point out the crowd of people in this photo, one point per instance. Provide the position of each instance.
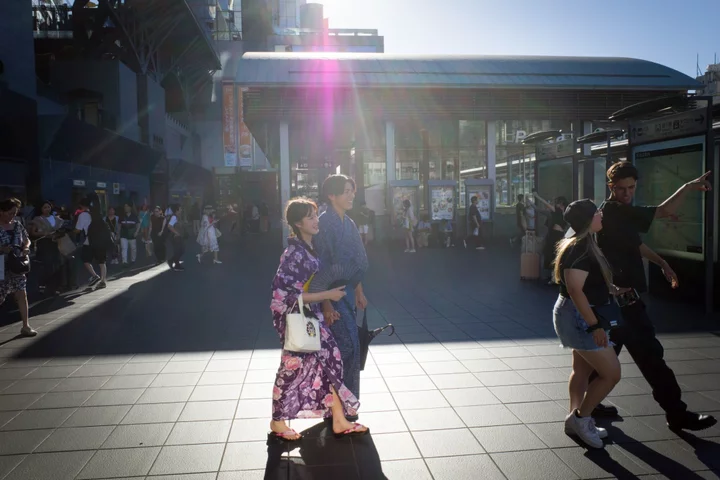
(51, 238)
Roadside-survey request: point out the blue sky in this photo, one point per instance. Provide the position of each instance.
(663, 31)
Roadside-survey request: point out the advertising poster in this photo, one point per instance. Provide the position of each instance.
(483, 194)
(663, 168)
(229, 125)
(442, 203)
(399, 195)
(244, 137)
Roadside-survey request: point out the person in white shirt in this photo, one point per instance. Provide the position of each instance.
(92, 252)
(177, 230)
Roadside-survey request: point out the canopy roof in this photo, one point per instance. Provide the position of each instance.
(281, 69)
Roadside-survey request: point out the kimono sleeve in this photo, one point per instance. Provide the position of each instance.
(324, 241)
(287, 284)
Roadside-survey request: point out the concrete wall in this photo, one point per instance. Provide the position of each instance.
(17, 47)
(156, 110)
(128, 94)
(178, 141)
(116, 82)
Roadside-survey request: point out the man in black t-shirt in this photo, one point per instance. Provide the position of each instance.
(474, 225)
(624, 249)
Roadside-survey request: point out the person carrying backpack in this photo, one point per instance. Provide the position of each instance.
(98, 240)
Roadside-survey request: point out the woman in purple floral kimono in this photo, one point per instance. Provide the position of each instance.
(307, 385)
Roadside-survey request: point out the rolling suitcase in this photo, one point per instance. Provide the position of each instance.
(529, 258)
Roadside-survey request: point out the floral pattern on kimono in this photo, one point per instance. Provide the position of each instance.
(303, 381)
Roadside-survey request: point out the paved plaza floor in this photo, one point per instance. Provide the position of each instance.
(167, 375)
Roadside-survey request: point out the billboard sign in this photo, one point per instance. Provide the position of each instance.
(229, 125)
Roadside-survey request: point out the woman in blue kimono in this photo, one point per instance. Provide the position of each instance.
(339, 243)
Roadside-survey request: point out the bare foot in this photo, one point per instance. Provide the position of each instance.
(281, 429)
(341, 425)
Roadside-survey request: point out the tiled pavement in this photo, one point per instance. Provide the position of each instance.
(167, 375)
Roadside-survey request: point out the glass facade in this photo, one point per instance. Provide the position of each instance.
(515, 162)
(472, 152)
(285, 13)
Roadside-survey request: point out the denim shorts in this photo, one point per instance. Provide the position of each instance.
(570, 327)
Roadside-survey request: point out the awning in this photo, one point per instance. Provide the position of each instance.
(81, 143)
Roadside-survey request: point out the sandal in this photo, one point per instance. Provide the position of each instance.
(287, 435)
(354, 431)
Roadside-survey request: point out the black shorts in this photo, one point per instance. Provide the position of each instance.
(90, 254)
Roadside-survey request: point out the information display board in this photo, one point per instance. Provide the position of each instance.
(664, 167)
(482, 189)
(484, 195)
(401, 190)
(443, 200)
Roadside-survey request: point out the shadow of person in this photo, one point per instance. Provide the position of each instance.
(319, 455)
(654, 459)
(706, 451)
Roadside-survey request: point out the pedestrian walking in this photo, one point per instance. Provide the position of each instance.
(339, 243)
(144, 219)
(97, 241)
(408, 224)
(307, 385)
(177, 231)
(556, 229)
(157, 222)
(622, 244)
(208, 236)
(113, 223)
(585, 281)
(129, 231)
(474, 238)
(42, 231)
(15, 242)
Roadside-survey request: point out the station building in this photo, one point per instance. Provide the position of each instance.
(386, 118)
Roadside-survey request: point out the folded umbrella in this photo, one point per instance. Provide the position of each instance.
(366, 336)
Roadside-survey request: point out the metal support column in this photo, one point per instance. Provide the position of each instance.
(284, 174)
(390, 152)
(491, 150)
(710, 205)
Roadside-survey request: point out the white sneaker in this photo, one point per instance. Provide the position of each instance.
(407, 250)
(584, 428)
(602, 433)
(217, 261)
(411, 251)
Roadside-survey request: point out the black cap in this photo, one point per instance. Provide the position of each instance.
(579, 215)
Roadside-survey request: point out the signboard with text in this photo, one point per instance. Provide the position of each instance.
(557, 149)
(684, 124)
(244, 136)
(229, 125)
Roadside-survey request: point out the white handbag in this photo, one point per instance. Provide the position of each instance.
(302, 334)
